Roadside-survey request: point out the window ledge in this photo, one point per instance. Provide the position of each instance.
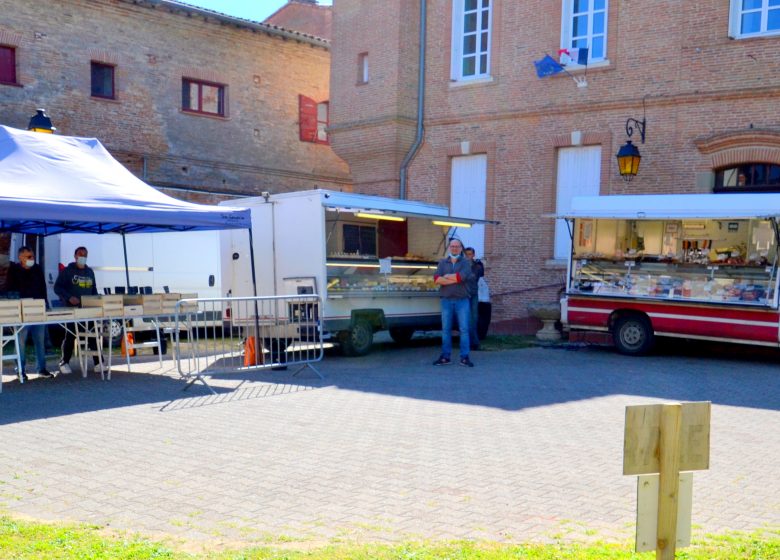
(12, 84)
(555, 264)
(471, 82)
(579, 68)
(207, 115)
(759, 35)
(109, 99)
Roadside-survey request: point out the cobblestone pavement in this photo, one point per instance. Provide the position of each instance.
(526, 446)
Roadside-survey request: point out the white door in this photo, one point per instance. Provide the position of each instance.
(467, 198)
(579, 174)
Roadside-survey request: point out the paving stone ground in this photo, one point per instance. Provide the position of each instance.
(526, 446)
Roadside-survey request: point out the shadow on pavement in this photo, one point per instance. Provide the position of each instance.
(510, 380)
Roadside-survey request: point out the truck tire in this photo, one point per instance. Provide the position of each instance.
(633, 335)
(357, 341)
(113, 333)
(401, 335)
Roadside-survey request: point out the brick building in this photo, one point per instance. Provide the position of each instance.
(704, 75)
(204, 106)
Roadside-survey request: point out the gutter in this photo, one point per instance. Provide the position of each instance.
(420, 106)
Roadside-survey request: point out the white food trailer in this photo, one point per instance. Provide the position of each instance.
(691, 266)
(372, 259)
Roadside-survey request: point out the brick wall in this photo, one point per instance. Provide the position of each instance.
(698, 86)
(255, 148)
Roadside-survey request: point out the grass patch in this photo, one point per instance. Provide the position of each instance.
(497, 342)
(25, 540)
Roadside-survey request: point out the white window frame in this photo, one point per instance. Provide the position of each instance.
(458, 34)
(567, 20)
(735, 19)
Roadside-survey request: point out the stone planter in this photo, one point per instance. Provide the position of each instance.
(548, 313)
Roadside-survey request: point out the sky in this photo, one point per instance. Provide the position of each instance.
(256, 10)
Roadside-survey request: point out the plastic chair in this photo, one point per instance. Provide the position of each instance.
(119, 290)
(147, 290)
(89, 335)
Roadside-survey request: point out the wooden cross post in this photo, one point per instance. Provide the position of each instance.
(663, 440)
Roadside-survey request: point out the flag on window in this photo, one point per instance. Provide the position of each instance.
(573, 56)
(547, 66)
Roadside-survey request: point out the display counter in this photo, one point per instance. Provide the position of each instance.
(386, 277)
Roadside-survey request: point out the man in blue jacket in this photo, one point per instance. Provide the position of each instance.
(452, 275)
(74, 281)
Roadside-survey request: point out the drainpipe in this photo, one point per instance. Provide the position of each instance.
(420, 106)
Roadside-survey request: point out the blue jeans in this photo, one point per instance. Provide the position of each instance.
(473, 309)
(450, 308)
(38, 334)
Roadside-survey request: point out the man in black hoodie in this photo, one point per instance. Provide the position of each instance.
(74, 281)
(26, 278)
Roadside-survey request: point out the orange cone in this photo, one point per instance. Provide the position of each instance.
(126, 342)
(250, 353)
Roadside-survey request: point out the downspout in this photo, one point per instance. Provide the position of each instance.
(420, 105)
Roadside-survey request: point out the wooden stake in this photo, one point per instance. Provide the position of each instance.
(669, 480)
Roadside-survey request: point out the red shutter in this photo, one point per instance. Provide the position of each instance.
(307, 114)
(8, 65)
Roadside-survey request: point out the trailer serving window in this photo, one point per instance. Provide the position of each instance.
(731, 261)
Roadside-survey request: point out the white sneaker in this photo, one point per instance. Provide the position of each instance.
(65, 369)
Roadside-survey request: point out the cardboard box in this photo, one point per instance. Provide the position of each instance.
(10, 311)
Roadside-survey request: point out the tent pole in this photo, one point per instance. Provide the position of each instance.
(258, 346)
(127, 268)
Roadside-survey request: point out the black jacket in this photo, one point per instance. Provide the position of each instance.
(28, 282)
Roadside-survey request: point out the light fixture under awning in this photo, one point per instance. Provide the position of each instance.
(380, 217)
(448, 223)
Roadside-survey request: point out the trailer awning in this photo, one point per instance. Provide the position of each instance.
(675, 206)
(367, 204)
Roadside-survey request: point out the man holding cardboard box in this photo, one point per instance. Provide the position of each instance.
(26, 278)
(74, 281)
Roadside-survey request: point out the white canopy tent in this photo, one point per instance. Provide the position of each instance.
(55, 184)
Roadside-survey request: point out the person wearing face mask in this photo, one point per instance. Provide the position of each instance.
(26, 278)
(452, 276)
(74, 281)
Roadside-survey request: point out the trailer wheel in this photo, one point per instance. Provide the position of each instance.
(633, 335)
(357, 341)
(113, 332)
(401, 335)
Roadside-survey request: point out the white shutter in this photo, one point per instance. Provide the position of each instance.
(468, 198)
(579, 174)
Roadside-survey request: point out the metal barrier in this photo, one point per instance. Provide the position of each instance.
(237, 334)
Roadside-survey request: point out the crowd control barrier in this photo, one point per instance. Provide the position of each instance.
(216, 336)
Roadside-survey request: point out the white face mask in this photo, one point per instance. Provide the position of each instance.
(29, 262)
(81, 261)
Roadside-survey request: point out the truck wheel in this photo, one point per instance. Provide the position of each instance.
(357, 341)
(401, 335)
(633, 335)
(113, 332)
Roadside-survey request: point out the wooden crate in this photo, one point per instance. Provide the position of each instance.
(113, 305)
(169, 303)
(88, 312)
(10, 311)
(152, 303)
(33, 310)
(60, 314)
(133, 310)
(189, 307)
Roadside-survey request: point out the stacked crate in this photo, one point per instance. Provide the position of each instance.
(151, 303)
(91, 308)
(60, 314)
(33, 310)
(10, 311)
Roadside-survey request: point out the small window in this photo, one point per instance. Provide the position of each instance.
(207, 98)
(753, 18)
(362, 68)
(471, 38)
(103, 80)
(7, 65)
(313, 120)
(359, 239)
(585, 27)
(748, 177)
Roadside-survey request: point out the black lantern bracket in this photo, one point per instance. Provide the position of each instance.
(640, 125)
